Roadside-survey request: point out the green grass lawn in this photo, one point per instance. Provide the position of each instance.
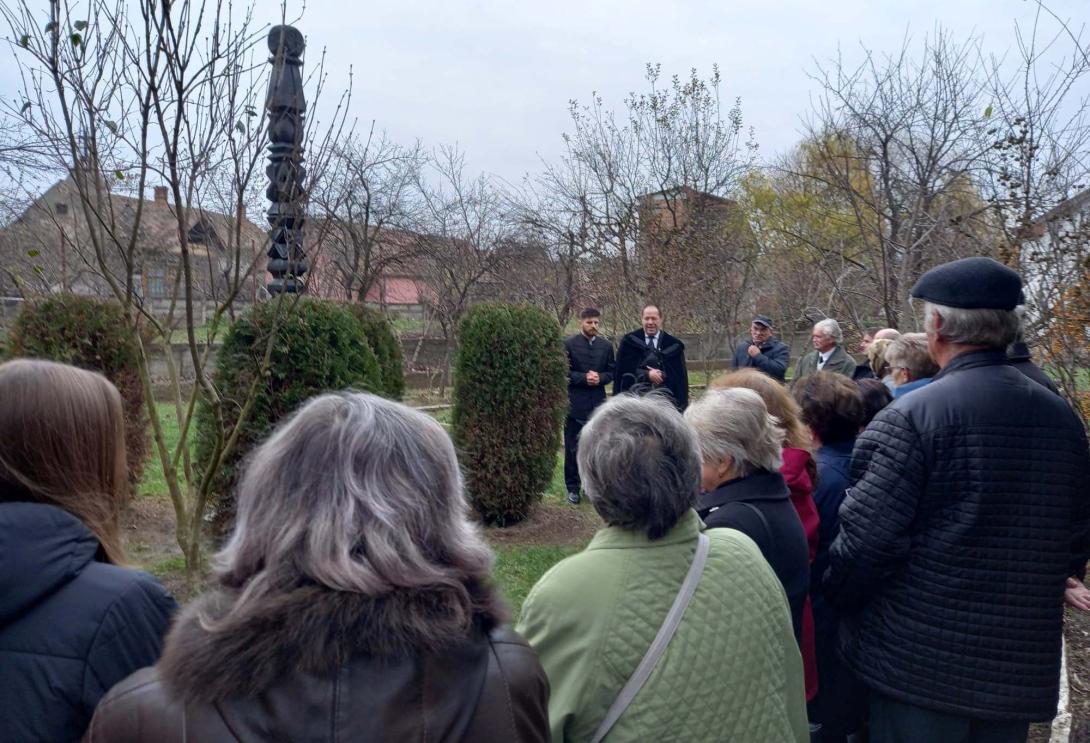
(154, 483)
(518, 569)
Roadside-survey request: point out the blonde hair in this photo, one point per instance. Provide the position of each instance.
(62, 442)
(876, 357)
(781, 405)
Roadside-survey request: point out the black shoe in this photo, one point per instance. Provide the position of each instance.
(573, 498)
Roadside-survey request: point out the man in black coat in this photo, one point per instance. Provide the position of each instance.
(763, 351)
(650, 359)
(968, 515)
(590, 369)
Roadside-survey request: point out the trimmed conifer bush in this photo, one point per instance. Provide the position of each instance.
(387, 350)
(92, 334)
(510, 396)
(320, 347)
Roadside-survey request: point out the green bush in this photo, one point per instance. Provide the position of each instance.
(91, 334)
(319, 347)
(381, 338)
(510, 396)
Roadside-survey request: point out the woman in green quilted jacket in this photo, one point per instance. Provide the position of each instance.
(731, 671)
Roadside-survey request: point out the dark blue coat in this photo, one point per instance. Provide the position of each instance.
(968, 512)
(70, 626)
(773, 359)
(834, 462)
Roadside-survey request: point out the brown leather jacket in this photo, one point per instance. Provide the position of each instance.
(332, 667)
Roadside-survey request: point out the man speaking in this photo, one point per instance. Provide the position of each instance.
(650, 359)
(763, 351)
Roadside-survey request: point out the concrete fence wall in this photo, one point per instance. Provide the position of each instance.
(426, 359)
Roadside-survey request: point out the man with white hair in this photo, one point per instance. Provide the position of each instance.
(967, 517)
(828, 354)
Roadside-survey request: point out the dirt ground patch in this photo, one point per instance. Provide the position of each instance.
(1077, 634)
(151, 544)
(549, 523)
(148, 529)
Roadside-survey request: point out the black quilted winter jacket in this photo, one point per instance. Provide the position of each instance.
(969, 511)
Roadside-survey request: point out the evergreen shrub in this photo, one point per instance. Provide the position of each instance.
(92, 334)
(319, 347)
(510, 398)
(387, 350)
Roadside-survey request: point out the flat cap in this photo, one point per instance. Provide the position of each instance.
(971, 284)
(762, 320)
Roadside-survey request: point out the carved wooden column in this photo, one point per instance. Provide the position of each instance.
(286, 106)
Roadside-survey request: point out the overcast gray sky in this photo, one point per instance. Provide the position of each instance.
(496, 77)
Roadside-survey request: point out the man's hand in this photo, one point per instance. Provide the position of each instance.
(655, 376)
(1076, 595)
(754, 351)
(592, 378)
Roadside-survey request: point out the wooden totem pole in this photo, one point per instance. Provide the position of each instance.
(286, 106)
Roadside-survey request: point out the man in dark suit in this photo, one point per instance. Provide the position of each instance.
(651, 359)
(763, 351)
(590, 369)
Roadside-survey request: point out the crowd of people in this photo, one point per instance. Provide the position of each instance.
(877, 555)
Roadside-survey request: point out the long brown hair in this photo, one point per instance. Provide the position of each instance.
(62, 442)
(777, 399)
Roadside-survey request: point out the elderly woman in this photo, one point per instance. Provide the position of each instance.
(352, 602)
(910, 363)
(731, 670)
(876, 359)
(798, 470)
(742, 488)
(833, 409)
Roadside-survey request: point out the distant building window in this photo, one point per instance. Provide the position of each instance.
(60, 209)
(157, 283)
(197, 234)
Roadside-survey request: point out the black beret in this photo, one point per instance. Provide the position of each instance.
(970, 284)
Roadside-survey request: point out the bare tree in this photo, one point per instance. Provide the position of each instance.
(669, 143)
(366, 207)
(463, 222)
(123, 96)
(553, 220)
(897, 145)
(1039, 184)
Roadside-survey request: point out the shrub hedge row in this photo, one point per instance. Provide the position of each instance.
(91, 334)
(319, 346)
(510, 397)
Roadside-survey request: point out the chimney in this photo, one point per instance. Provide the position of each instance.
(161, 195)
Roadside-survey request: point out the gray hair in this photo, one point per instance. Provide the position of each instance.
(735, 423)
(910, 352)
(830, 327)
(354, 493)
(972, 327)
(1020, 334)
(639, 464)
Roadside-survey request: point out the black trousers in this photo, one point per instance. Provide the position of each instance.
(572, 428)
(892, 721)
(841, 702)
